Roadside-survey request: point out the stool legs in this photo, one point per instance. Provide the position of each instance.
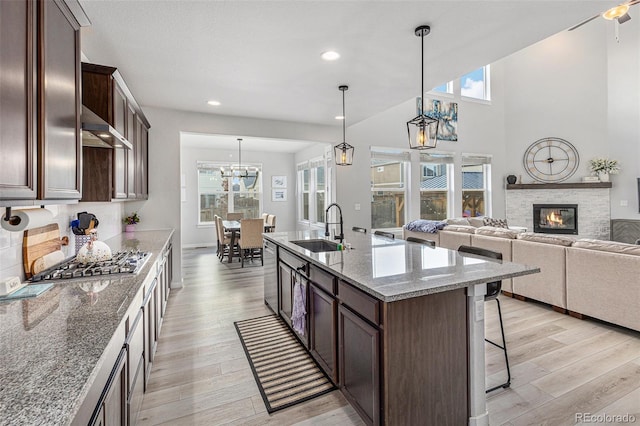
(504, 349)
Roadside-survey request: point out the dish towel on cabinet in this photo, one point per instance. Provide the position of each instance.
(299, 313)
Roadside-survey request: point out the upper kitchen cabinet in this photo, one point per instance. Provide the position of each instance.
(119, 142)
(59, 144)
(40, 101)
(17, 100)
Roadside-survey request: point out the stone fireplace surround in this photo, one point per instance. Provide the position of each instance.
(593, 200)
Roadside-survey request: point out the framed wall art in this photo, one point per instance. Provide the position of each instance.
(278, 181)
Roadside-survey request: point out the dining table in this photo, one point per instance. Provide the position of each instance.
(233, 226)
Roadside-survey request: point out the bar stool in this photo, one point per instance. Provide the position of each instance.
(385, 234)
(421, 241)
(493, 290)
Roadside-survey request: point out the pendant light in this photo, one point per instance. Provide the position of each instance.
(241, 171)
(421, 127)
(343, 151)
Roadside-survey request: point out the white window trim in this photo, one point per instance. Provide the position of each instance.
(312, 166)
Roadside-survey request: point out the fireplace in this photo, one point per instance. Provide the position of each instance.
(555, 218)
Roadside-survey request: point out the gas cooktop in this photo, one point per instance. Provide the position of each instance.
(122, 262)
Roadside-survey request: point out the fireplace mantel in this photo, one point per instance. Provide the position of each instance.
(570, 185)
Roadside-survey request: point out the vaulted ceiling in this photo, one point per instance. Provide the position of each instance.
(262, 58)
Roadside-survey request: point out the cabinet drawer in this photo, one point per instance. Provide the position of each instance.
(323, 279)
(365, 305)
(294, 261)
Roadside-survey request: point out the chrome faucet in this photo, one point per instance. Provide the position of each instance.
(326, 224)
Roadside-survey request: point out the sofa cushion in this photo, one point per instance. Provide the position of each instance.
(498, 223)
(457, 221)
(492, 231)
(476, 221)
(467, 229)
(610, 246)
(544, 238)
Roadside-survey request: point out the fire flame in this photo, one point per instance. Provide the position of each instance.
(554, 219)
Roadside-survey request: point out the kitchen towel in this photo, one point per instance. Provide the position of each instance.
(299, 313)
(27, 219)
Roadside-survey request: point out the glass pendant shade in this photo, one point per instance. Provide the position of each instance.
(422, 129)
(343, 151)
(344, 154)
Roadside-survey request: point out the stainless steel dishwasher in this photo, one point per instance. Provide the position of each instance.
(270, 275)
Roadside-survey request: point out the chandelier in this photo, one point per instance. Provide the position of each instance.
(239, 171)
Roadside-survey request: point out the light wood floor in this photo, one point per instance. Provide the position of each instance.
(560, 365)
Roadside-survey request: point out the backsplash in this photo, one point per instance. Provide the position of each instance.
(109, 215)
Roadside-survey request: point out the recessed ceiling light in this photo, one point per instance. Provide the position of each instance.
(330, 55)
(339, 117)
(213, 103)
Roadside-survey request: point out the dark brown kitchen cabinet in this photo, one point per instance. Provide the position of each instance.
(286, 291)
(59, 144)
(105, 92)
(142, 159)
(292, 269)
(112, 408)
(135, 344)
(18, 100)
(131, 136)
(323, 309)
(149, 307)
(359, 358)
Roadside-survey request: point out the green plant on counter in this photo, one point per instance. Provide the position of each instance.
(132, 219)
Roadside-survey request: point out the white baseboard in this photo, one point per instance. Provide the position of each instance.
(198, 245)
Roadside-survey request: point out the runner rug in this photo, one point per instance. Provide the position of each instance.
(285, 372)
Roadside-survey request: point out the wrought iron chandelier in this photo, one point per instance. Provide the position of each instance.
(241, 171)
(422, 129)
(343, 151)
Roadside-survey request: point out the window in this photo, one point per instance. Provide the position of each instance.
(388, 188)
(444, 88)
(220, 195)
(312, 190)
(476, 178)
(435, 186)
(476, 84)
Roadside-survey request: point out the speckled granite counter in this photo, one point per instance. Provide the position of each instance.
(393, 270)
(52, 345)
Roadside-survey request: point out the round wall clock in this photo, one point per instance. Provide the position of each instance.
(551, 160)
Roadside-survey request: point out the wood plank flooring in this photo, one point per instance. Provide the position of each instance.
(559, 365)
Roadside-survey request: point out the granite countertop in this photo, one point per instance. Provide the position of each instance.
(51, 345)
(392, 270)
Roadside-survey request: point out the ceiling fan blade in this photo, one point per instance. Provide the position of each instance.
(632, 2)
(585, 22)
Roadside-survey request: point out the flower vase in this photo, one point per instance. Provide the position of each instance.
(603, 176)
(130, 229)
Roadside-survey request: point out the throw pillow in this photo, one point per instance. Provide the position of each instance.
(493, 231)
(457, 221)
(476, 221)
(497, 223)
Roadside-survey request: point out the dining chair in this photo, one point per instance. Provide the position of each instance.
(265, 216)
(429, 243)
(250, 242)
(493, 290)
(235, 216)
(271, 222)
(385, 234)
(359, 229)
(224, 241)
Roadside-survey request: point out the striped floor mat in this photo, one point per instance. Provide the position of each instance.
(285, 372)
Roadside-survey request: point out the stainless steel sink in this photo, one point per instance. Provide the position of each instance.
(316, 246)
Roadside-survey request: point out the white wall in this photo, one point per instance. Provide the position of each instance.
(584, 87)
(163, 206)
(273, 163)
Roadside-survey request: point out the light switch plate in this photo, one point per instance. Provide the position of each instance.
(357, 206)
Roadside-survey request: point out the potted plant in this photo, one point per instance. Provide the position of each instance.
(130, 222)
(603, 167)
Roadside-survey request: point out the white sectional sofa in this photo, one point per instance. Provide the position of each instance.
(599, 279)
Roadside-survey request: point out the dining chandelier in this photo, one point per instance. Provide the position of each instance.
(422, 129)
(239, 171)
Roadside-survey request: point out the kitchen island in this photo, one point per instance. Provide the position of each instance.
(84, 342)
(397, 326)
